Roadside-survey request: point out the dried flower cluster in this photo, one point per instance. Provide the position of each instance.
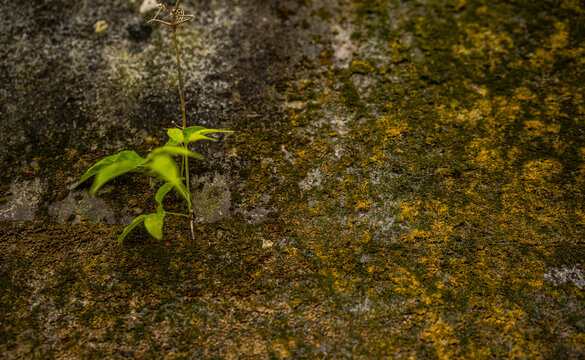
(177, 16)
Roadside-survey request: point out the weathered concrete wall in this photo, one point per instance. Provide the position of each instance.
(406, 180)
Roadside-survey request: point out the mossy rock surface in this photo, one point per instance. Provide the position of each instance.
(406, 180)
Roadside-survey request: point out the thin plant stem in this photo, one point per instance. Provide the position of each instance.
(177, 214)
(185, 158)
(180, 78)
(176, 8)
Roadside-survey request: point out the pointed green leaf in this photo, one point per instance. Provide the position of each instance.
(129, 228)
(200, 135)
(182, 189)
(124, 155)
(176, 135)
(172, 142)
(196, 155)
(162, 192)
(173, 151)
(191, 129)
(165, 167)
(154, 223)
(196, 137)
(95, 168)
(130, 156)
(111, 171)
(211, 131)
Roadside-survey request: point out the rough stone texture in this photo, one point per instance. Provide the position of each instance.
(211, 198)
(565, 274)
(23, 200)
(77, 206)
(406, 180)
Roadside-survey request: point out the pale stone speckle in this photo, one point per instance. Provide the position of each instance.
(564, 274)
(24, 200)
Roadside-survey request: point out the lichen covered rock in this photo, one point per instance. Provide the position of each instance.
(406, 180)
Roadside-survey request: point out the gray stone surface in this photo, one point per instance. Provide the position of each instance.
(78, 206)
(406, 180)
(23, 200)
(211, 198)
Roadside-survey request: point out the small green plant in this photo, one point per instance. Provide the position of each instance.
(160, 162)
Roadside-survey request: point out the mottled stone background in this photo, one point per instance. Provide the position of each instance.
(406, 180)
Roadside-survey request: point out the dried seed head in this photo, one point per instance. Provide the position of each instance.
(178, 17)
(163, 8)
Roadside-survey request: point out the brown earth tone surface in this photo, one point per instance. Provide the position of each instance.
(406, 180)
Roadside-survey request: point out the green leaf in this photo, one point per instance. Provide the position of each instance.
(173, 151)
(131, 156)
(172, 142)
(126, 161)
(124, 155)
(176, 135)
(154, 223)
(162, 192)
(182, 189)
(165, 167)
(95, 168)
(195, 133)
(211, 131)
(129, 228)
(191, 129)
(196, 137)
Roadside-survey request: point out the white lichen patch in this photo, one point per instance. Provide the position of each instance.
(362, 307)
(211, 198)
(312, 180)
(565, 274)
(343, 46)
(23, 200)
(288, 155)
(78, 207)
